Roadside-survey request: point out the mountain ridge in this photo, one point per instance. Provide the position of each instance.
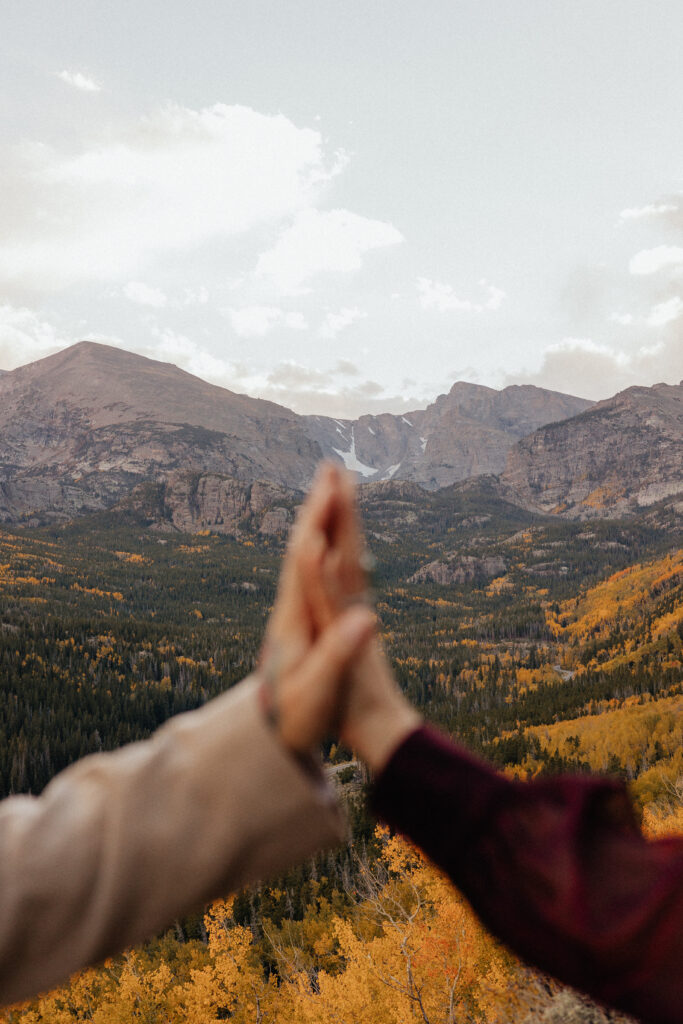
(81, 429)
(622, 454)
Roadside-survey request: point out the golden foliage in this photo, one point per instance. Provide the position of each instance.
(618, 600)
(410, 951)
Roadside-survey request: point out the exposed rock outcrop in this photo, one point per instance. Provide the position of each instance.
(623, 454)
(192, 502)
(275, 522)
(465, 433)
(460, 570)
(81, 430)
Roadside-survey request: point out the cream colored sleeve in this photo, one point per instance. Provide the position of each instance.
(121, 843)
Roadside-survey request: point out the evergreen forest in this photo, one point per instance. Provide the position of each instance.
(554, 647)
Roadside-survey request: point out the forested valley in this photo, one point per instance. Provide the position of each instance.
(545, 646)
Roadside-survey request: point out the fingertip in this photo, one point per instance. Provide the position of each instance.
(326, 472)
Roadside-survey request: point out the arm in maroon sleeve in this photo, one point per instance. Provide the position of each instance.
(556, 868)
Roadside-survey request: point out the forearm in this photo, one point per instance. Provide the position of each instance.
(556, 869)
(119, 844)
(379, 717)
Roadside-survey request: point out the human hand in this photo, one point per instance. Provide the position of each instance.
(374, 716)
(312, 635)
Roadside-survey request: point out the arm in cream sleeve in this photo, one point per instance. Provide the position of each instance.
(121, 843)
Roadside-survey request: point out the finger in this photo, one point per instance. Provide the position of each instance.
(314, 596)
(347, 539)
(313, 516)
(306, 603)
(318, 507)
(308, 698)
(333, 580)
(302, 608)
(332, 654)
(300, 592)
(301, 570)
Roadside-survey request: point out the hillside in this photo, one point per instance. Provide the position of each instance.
(626, 628)
(623, 454)
(94, 428)
(107, 628)
(623, 618)
(81, 429)
(506, 640)
(466, 433)
(641, 740)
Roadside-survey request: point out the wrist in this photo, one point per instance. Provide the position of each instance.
(381, 730)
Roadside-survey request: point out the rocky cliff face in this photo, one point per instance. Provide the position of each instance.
(192, 502)
(621, 455)
(486, 423)
(81, 429)
(465, 433)
(460, 570)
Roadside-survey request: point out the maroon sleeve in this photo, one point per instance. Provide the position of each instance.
(556, 868)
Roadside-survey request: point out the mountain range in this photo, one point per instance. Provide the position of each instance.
(95, 426)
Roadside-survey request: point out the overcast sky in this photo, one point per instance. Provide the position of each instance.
(345, 207)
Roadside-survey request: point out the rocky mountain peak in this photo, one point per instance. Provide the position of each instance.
(111, 385)
(81, 429)
(622, 454)
(468, 431)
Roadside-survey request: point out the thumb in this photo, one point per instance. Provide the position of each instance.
(310, 695)
(338, 645)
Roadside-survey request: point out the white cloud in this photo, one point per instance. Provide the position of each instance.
(331, 241)
(305, 389)
(436, 295)
(583, 367)
(24, 337)
(257, 321)
(296, 321)
(336, 322)
(440, 296)
(253, 321)
(661, 314)
(347, 368)
(623, 319)
(665, 312)
(311, 391)
(651, 261)
(651, 210)
(79, 81)
(176, 180)
(496, 296)
(195, 296)
(172, 347)
(144, 295)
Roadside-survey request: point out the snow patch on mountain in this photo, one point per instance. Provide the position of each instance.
(351, 460)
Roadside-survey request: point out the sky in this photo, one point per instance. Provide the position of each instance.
(346, 207)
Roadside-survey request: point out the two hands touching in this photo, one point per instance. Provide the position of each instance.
(322, 667)
(121, 843)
